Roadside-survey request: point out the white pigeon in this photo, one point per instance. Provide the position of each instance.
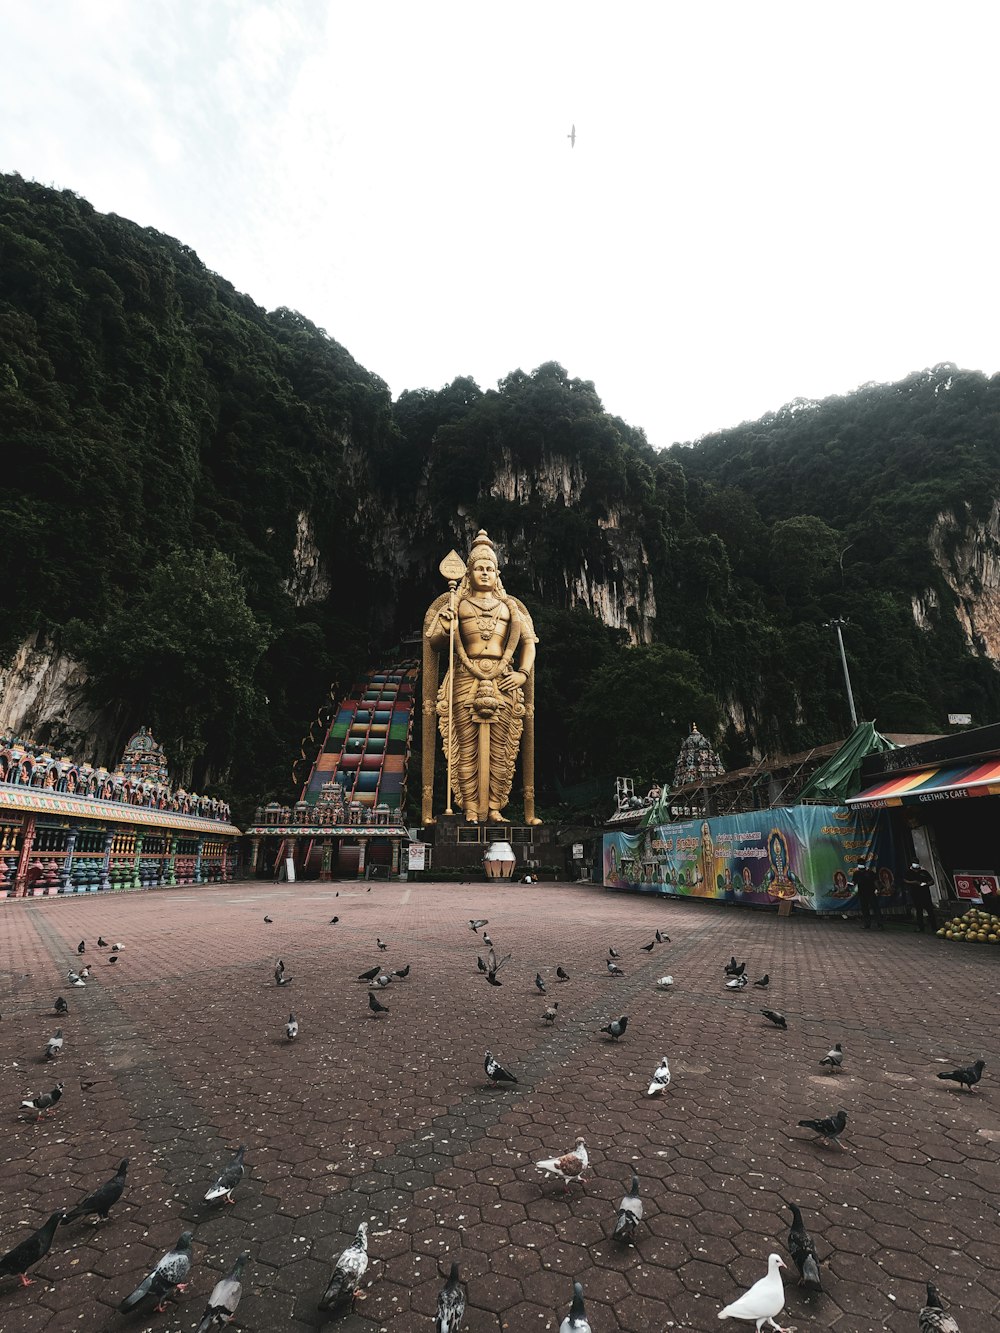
(664, 983)
(737, 983)
(55, 1045)
(763, 1301)
(570, 1166)
(661, 1079)
(292, 1027)
(75, 980)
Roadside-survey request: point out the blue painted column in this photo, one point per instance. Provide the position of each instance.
(67, 874)
(106, 867)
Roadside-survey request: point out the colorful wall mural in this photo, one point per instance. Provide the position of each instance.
(805, 853)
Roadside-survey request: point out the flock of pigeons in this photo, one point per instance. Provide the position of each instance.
(760, 1305)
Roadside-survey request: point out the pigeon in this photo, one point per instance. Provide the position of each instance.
(763, 982)
(733, 968)
(664, 983)
(75, 980)
(661, 1079)
(833, 1059)
(661, 938)
(551, 1011)
(763, 1301)
(562, 974)
(933, 1318)
(114, 958)
(829, 1129)
(55, 1045)
(279, 975)
(370, 975)
(480, 964)
(44, 1101)
(539, 983)
(381, 981)
(495, 1071)
(616, 1028)
(117, 948)
(85, 972)
(774, 1017)
(576, 1320)
(82, 947)
(61, 1007)
(613, 953)
(375, 1006)
(487, 941)
(269, 920)
(803, 1252)
(101, 942)
(629, 1214)
(16, 1262)
(736, 983)
(648, 948)
(967, 1077)
(230, 1178)
(382, 946)
(570, 1166)
(351, 1268)
(292, 1027)
(225, 1297)
(493, 967)
(478, 924)
(102, 1200)
(613, 969)
(451, 1304)
(165, 1279)
(334, 920)
(402, 972)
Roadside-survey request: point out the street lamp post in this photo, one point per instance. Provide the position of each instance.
(837, 624)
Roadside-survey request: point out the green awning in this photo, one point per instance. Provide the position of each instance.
(840, 776)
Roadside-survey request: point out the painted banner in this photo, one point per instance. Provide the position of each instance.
(804, 853)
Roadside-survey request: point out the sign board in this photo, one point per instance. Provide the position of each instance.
(290, 869)
(578, 851)
(959, 719)
(970, 888)
(416, 856)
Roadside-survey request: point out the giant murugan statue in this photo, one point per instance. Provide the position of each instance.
(486, 703)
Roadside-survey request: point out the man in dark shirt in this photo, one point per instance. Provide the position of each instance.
(866, 882)
(919, 882)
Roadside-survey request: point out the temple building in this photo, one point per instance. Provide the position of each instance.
(67, 827)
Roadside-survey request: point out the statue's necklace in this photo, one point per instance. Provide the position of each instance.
(486, 623)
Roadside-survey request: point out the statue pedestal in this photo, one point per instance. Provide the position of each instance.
(459, 845)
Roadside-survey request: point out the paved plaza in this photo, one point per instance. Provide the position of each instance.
(177, 1055)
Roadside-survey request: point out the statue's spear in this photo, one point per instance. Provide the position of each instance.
(452, 567)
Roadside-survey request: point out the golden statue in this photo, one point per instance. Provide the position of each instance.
(485, 703)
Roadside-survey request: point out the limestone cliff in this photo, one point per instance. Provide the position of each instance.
(966, 551)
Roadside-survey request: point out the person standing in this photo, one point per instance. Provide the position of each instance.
(919, 882)
(866, 882)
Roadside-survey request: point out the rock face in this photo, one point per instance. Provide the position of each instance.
(967, 552)
(308, 583)
(43, 698)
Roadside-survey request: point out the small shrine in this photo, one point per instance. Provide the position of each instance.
(143, 759)
(696, 760)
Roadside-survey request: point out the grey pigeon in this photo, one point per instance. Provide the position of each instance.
(225, 1297)
(613, 969)
(539, 983)
(346, 1278)
(45, 1101)
(967, 1077)
(576, 1320)
(101, 942)
(165, 1279)
(613, 952)
(292, 1027)
(933, 1318)
(370, 975)
(103, 1199)
(803, 1252)
(648, 948)
(495, 1071)
(229, 1179)
(279, 975)
(616, 1028)
(629, 1214)
(833, 1059)
(54, 1045)
(402, 972)
(381, 945)
(269, 920)
(562, 974)
(551, 1012)
(829, 1129)
(82, 947)
(493, 966)
(450, 1304)
(480, 964)
(774, 1017)
(61, 1007)
(478, 923)
(381, 981)
(16, 1262)
(487, 941)
(763, 982)
(661, 938)
(376, 1006)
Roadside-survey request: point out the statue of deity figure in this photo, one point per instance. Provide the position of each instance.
(485, 706)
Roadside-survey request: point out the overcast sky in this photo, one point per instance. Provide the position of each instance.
(765, 201)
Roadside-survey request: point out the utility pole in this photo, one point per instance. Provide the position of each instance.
(838, 624)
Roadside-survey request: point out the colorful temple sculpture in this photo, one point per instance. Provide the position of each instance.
(350, 817)
(75, 828)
